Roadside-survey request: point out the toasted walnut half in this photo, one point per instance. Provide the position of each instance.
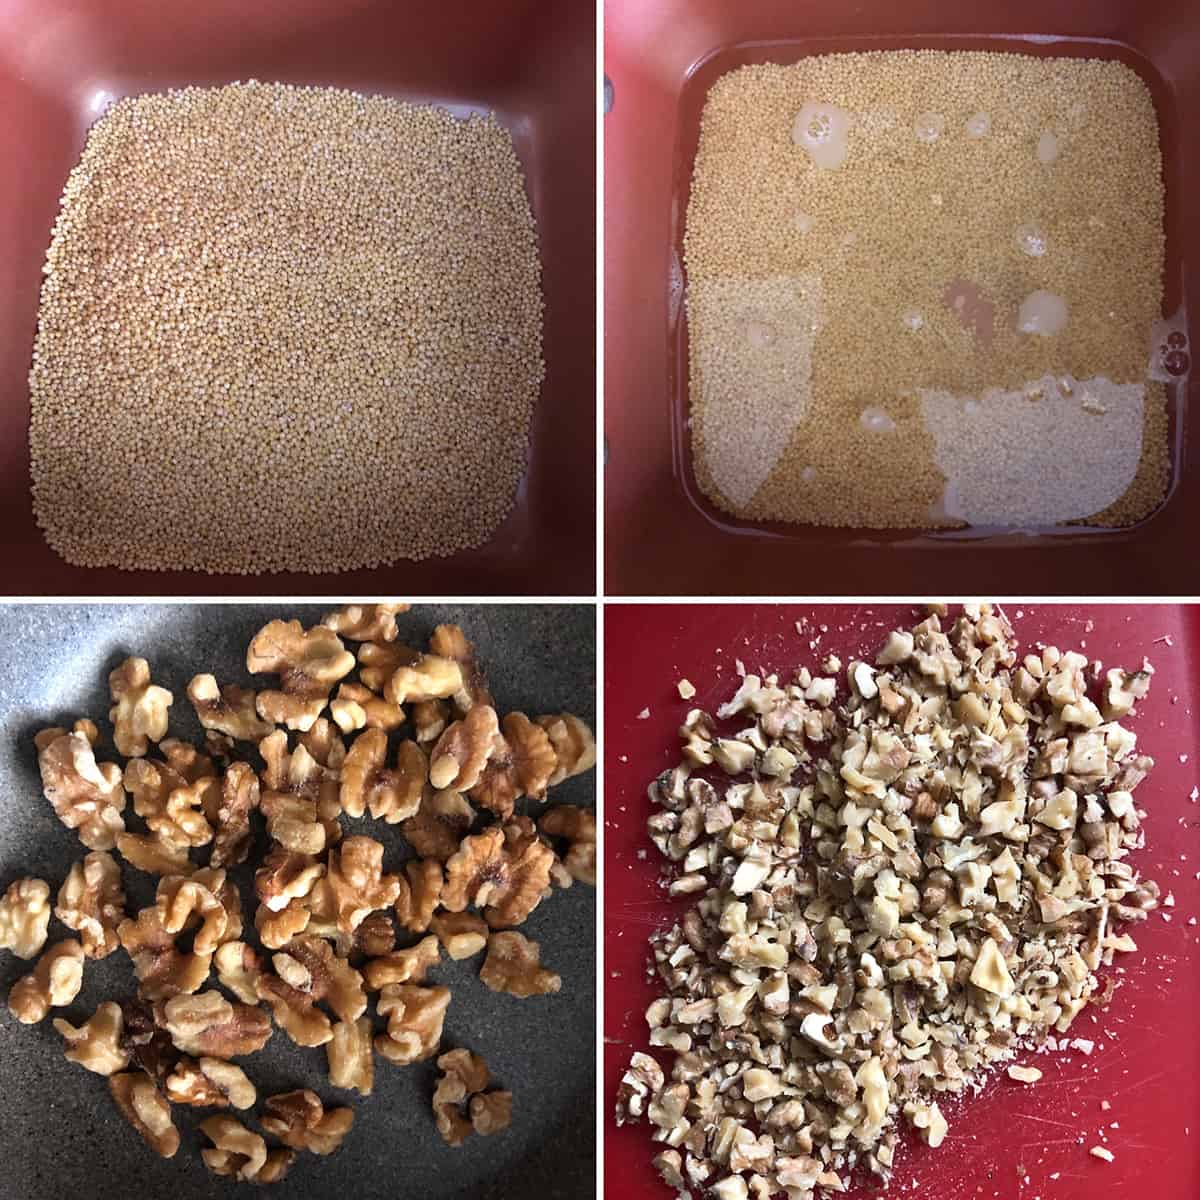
(358, 883)
(521, 763)
(410, 965)
(91, 901)
(162, 970)
(299, 796)
(501, 870)
(577, 826)
(238, 967)
(54, 982)
(139, 712)
(393, 794)
(419, 894)
(573, 745)
(150, 853)
(513, 965)
(463, 1074)
(429, 678)
(366, 622)
(462, 752)
(240, 1153)
(227, 709)
(357, 707)
(173, 808)
(440, 824)
(415, 1017)
(210, 1083)
(239, 797)
(97, 1044)
(308, 663)
(298, 1119)
(143, 1107)
(25, 916)
(183, 902)
(463, 934)
(351, 1059)
(86, 796)
(209, 1025)
(449, 641)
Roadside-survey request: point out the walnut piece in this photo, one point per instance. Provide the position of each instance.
(300, 796)
(202, 899)
(238, 1152)
(227, 709)
(306, 973)
(463, 1074)
(449, 642)
(150, 853)
(430, 677)
(379, 661)
(284, 878)
(502, 871)
(358, 883)
(429, 718)
(97, 1043)
(461, 753)
(143, 1038)
(392, 794)
(574, 746)
(54, 982)
(521, 764)
(357, 707)
(86, 796)
(415, 1016)
(366, 622)
(463, 934)
(143, 1106)
(410, 965)
(161, 970)
(298, 1119)
(139, 712)
(238, 967)
(440, 824)
(208, 1025)
(577, 826)
(25, 917)
(491, 1112)
(308, 663)
(173, 808)
(513, 965)
(350, 1055)
(210, 1083)
(239, 797)
(419, 893)
(91, 901)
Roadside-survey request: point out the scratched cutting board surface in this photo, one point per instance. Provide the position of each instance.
(1009, 1142)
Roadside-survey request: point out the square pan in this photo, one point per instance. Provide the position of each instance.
(660, 85)
(530, 61)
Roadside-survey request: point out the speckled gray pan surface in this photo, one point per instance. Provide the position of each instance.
(60, 1134)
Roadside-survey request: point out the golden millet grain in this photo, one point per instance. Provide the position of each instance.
(971, 178)
(284, 328)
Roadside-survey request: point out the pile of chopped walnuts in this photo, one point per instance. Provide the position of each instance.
(325, 903)
(894, 894)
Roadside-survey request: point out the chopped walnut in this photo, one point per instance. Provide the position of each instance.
(419, 894)
(229, 709)
(308, 663)
(366, 622)
(143, 1106)
(357, 707)
(25, 917)
(463, 934)
(351, 1058)
(461, 753)
(429, 718)
(430, 677)
(449, 641)
(139, 712)
(209, 1025)
(97, 1044)
(86, 796)
(209, 1083)
(238, 967)
(574, 746)
(392, 794)
(298, 1119)
(91, 901)
(240, 1153)
(577, 826)
(513, 965)
(506, 876)
(440, 824)
(54, 982)
(415, 1015)
(358, 883)
(403, 966)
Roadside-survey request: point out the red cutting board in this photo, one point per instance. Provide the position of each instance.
(1011, 1142)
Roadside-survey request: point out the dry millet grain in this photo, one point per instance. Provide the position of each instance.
(284, 328)
(885, 235)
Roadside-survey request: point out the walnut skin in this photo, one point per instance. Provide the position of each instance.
(415, 1016)
(410, 965)
(86, 796)
(357, 707)
(429, 678)
(358, 883)
(351, 1059)
(308, 663)
(578, 827)
(298, 1119)
(449, 641)
(54, 982)
(394, 795)
(210, 1083)
(573, 745)
(419, 893)
(366, 622)
(505, 876)
(143, 1107)
(463, 934)
(91, 901)
(513, 965)
(462, 752)
(440, 824)
(139, 712)
(229, 709)
(209, 1025)
(25, 917)
(242, 1154)
(239, 797)
(97, 1044)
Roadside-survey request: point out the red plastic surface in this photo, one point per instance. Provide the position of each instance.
(661, 536)
(530, 61)
(1011, 1142)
